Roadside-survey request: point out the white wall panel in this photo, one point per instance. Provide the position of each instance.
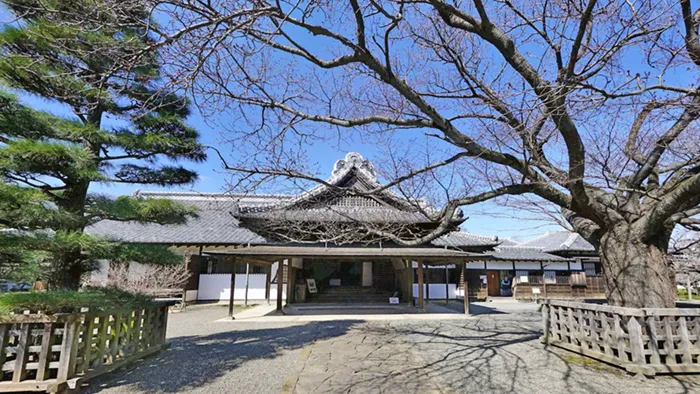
(499, 265)
(437, 290)
(556, 266)
(528, 265)
(214, 287)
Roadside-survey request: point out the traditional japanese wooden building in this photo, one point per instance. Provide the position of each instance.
(339, 234)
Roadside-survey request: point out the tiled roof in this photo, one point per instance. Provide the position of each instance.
(460, 239)
(215, 224)
(560, 241)
(341, 214)
(508, 242)
(524, 253)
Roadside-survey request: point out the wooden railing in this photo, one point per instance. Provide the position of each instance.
(646, 341)
(54, 353)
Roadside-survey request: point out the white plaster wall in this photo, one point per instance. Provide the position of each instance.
(437, 290)
(576, 265)
(499, 265)
(527, 265)
(476, 265)
(213, 287)
(99, 275)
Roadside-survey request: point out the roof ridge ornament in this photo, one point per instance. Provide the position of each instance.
(353, 160)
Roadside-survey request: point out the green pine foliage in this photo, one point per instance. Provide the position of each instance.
(67, 301)
(94, 60)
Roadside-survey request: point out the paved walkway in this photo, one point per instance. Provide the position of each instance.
(494, 352)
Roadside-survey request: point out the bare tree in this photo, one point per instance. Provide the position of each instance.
(149, 279)
(590, 106)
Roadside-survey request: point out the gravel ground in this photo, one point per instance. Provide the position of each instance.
(495, 352)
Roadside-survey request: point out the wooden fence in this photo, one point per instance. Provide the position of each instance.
(55, 353)
(646, 341)
(574, 286)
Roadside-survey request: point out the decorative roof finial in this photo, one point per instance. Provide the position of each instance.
(353, 160)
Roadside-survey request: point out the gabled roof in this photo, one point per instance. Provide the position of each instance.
(330, 202)
(351, 172)
(560, 241)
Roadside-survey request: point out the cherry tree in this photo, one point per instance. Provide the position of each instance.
(587, 106)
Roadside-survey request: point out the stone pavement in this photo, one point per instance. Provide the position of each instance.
(358, 363)
(497, 351)
(494, 352)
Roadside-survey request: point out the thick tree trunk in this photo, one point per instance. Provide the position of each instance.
(66, 271)
(69, 265)
(637, 274)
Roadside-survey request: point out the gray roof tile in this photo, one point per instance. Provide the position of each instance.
(560, 241)
(460, 239)
(341, 214)
(215, 224)
(524, 253)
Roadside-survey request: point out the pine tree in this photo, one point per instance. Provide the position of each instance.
(94, 59)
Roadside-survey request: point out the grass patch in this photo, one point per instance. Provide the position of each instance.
(682, 295)
(67, 301)
(588, 362)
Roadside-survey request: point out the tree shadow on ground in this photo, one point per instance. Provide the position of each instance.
(497, 354)
(193, 361)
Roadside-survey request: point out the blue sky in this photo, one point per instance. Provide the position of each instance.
(508, 223)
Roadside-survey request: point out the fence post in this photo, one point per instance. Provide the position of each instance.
(20, 369)
(69, 350)
(545, 323)
(634, 329)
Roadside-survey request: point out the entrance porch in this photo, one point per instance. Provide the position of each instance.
(354, 272)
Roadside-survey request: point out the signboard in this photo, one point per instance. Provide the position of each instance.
(312, 286)
(535, 290)
(393, 300)
(334, 282)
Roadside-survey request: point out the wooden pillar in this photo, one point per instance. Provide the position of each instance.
(280, 277)
(427, 284)
(233, 288)
(247, 281)
(267, 284)
(466, 288)
(291, 282)
(447, 285)
(421, 301)
(409, 276)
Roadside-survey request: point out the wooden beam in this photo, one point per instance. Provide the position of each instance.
(280, 276)
(447, 285)
(466, 288)
(247, 281)
(233, 289)
(267, 285)
(291, 283)
(421, 301)
(427, 284)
